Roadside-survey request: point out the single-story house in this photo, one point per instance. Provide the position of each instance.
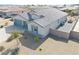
(40, 20)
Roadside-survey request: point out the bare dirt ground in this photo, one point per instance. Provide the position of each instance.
(49, 46)
(53, 46)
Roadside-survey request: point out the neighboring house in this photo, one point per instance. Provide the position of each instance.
(11, 11)
(40, 20)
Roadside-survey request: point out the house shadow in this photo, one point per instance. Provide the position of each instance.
(63, 39)
(58, 38)
(73, 39)
(27, 40)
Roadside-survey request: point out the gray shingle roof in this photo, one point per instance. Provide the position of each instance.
(50, 15)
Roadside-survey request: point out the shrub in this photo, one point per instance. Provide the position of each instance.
(72, 12)
(1, 26)
(40, 49)
(15, 51)
(6, 23)
(37, 39)
(67, 10)
(13, 36)
(1, 48)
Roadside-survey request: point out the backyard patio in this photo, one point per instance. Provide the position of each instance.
(28, 40)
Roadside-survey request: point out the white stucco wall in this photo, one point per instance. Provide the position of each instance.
(42, 31)
(60, 34)
(74, 35)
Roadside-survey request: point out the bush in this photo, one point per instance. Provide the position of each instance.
(71, 12)
(1, 48)
(1, 26)
(15, 51)
(37, 39)
(40, 49)
(13, 36)
(6, 23)
(67, 10)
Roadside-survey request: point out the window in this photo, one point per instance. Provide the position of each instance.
(34, 29)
